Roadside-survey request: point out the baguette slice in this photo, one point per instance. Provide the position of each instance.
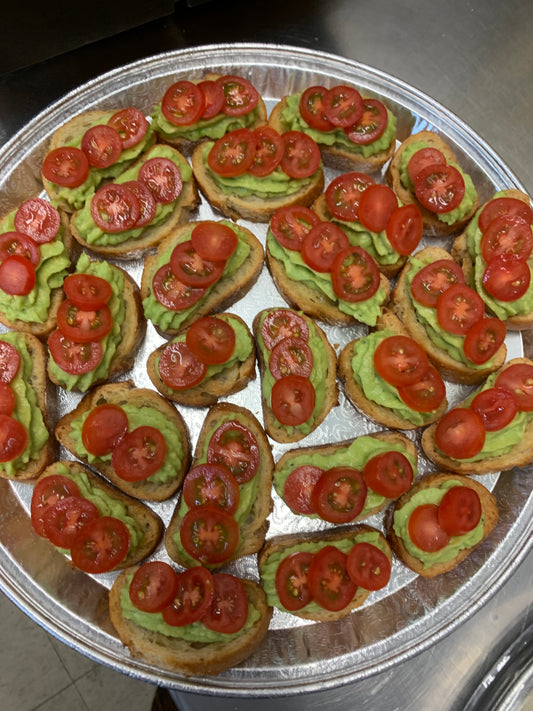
(188, 657)
(121, 394)
(401, 304)
(431, 222)
(489, 511)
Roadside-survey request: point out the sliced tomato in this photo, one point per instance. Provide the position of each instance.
(211, 340)
(64, 520)
(439, 188)
(268, 151)
(354, 275)
(368, 567)
(17, 275)
(339, 495)
(283, 323)
(321, 245)
(211, 484)
(183, 103)
(389, 474)
(193, 270)
(103, 428)
(66, 166)
(371, 125)
(130, 124)
(46, 492)
(507, 235)
(496, 407)
(87, 291)
(343, 195)
(343, 106)
(483, 339)
(291, 356)
(312, 108)
(434, 279)
(179, 368)
(240, 96)
(163, 179)
(7, 399)
(84, 326)
(209, 534)
(72, 357)
(301, 155)
(229, 610)
(101, 545)
(425, 530)
(147, 203)
(16, 243)
(426, 394)
(460, 433)
(9, 362)
(153, 586)
(292, 400)
(506, 277)
(376, 206)
(328, 579)
(139, 454)
(459, 510)
(193, 597)
(299, 486)
(291, 580)
(102, 145)
(518, 379)
(459, 308)
(172, 293)
(508, 206)
(290, 224)
(13, 438)
(38, 219)
(214, 240)
(422, 158)
(115, 208)
(404, 229)
(400, 361)
(235, 446)
(213, 98)
(232, 154)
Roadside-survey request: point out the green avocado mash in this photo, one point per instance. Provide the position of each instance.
(375, 243)
(26, 411)
(433, 495)
(213, 128)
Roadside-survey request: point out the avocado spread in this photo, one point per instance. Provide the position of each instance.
(212, 128)
(375, 243)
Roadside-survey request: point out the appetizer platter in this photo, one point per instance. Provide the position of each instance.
(297, 652)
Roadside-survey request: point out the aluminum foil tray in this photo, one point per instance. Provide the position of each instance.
(296, 656)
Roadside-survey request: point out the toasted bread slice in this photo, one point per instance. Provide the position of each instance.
(397, 534)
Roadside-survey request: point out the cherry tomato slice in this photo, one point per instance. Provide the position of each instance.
(283, 323)
(459, 510)
(102, 145)
(299, 486)
(371, 125)
(213, 98)
(404, 229)
(496, 407)
(163, 179)
(321, 245)
(7, 399)
(439, 188)
(103, 428)
(343, 195)
(484, 339)
(64, 520)
(268, 151)
(172, 293)
(193, 597)
(292, 400)
(354, 275)
(130, 124)
(13, 438)
(301, 155)
(426, 394)
(518, 379)
(291, 580)
(235, 446)
(422, 158)
(147, 203)
(87, 291)
(46, 492)
(507, 235)
(290, 224)
(511, 207)
(9, 362)
(506, 277)
(434, 279)
(459, 308)
(339, 495)
(211, 340)
(425, 530)
(460, 433)
(101, 545)
(153, 586)
(139, 454)
(312, 108)
(214, 241)
(291, 356)
(209, 534)
(192, 269)
(232, 154)
(17, 275)
(16, 243)
(389, 474)
(343, 106)
(66, 166)
(229, 610)
(72, 357)
(183, 103)
(211, 485)
(376, 206)
(179, 368)
(84, 326)
(400, 361)
(368, 567)
(115, 208)
(240, 96)
(328, 579)
(37, 219)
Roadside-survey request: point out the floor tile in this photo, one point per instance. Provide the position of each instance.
(67, 700)
(76, 663)
(103, 689)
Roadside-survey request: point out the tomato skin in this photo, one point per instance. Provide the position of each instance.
(376, 206)
(339, 495)
(312, 108)
(459, 308)
(102, 145)
(518, 380)
(147, 203)
(84, 326)
(213, 98)
(301, 155)
(130, 124)
(101, 545)
(434, 279)
(371, 125)
(17, 275)
(13, 438)
(179, 368)
(209, 534)
(172, 293)
(422, 158)
(240, 96)
(9, 362)
(46, 493)
(496, 407)
(103, 428)
(211, 340)
(153, 586)
(115, 208)
(268, 151)
(232, 154)
(291, 580)
(507, 235)
(299, 486)
(291, 356)
(368, 567)
(235, 446)
(425, 530)
(7, 399)
(504, 206)
(389, 474)
(459, 510)
(64, 520)
(293, 400)
(66, 166)
(290, 224)
(191, 269)
(72, 357)
(16, 243)
(343, 195)
(439, 188)
(400, 361)
(343, 106)
(426, 394)
(354, 275)
(211, 485)
(139, 454)
(193, 597)
(229, 609)
(321, 245)
(328, 579)
(484, 339)
(163, 179)
(183, 103)
(283, 323)
(404, 229)
(460, 433)
(214, 240)
(87, 291)
(507, 277)
(38, 219)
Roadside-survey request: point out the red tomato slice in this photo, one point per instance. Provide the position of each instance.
(354, 275)
(213, 98)
(214, 241)
(9, 362)
(312, 108)
(283, 323)
(46, 492)
(507, 235)
(389, 474)
(102, 145)
(339, 495)
(343, 195)
(426, 394)
(16, 243)
(211, 340)
(66, 166)
(460, 433)
(115, 208)
(439, 188)
(518, 379)
(299, 486)
(232, 154)
(511, 207)
(209, 534)
(163, 179)
(459, 510)
(343, 106)
(153, 586)
(434, 279)
(376, 206)
(139, 454)
(459, 308)
(506, 277)
(37, 219)
(291, 356)
(290, 224)
(13, 438)
(425, 530)
(7, 399)
(291, 580)
(193, 597)
(74, 358)
(103, 428)
(87, 291)
(229, 610)
(101, 545)
(301, 155)
(64, 520)
(17, 275)
(192, 269)
(496, 407)
(183, 103)
(268, 151)
(328, 579)
(368, 567)
(371, 125)
(179, 368)
(147, 203)
(235, 446)
(211, 485)
(130, 124)
(400, 361)
(292, 400)
(422, 158)
(173, 294)
(321, 245)
(84, 326)
(404, 229)
(240, 97)
(483, 339)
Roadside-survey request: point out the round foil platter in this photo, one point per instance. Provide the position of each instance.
(296, 656)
